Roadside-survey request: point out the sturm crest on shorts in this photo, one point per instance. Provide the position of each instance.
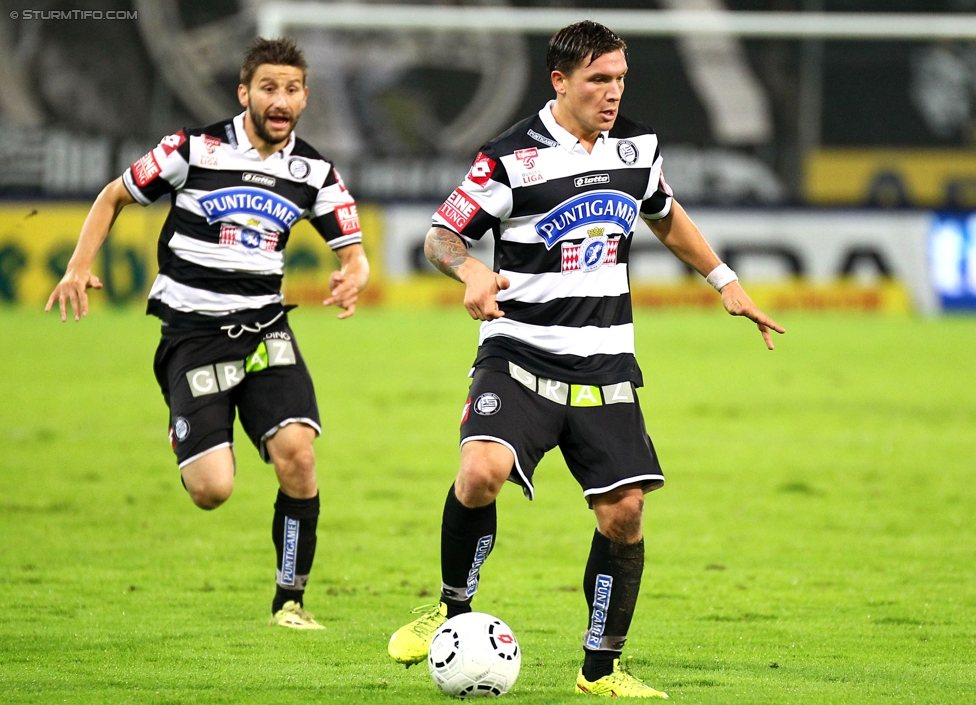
(487, 404)
(181, 429)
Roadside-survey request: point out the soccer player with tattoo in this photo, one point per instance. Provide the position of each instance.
(236, 189)
(560, 193)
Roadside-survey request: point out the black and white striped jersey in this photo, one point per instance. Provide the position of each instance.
(563, 220)
(221, 250)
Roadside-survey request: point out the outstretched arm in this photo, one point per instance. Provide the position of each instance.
(78, 277)
(680, 235)
(346, 283)
(447, 252)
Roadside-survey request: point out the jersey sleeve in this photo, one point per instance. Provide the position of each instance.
(161, 171)
(658, 197)
(334, 213)
(482, 200)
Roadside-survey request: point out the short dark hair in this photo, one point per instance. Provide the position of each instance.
(279, 52)
(570, 46)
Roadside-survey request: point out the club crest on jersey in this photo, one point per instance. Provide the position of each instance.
(299, 168)
(591, 254)
(627, 151)
(592, 208)
(263, 205)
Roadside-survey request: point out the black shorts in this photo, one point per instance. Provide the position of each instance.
(206, 375)
(600, 430)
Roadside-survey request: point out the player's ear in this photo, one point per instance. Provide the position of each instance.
(305, 98)
(242, 95)
(558, 82)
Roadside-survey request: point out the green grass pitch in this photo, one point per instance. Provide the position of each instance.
(814, 543)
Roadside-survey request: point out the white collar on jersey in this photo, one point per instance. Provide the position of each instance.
(244, 144)
(563, 136)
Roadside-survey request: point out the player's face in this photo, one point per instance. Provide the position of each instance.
(274, 101)
(591, 93)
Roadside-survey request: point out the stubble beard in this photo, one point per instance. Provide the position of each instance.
(261, 127)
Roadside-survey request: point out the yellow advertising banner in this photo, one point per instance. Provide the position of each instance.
(37, 239)
(891, 177)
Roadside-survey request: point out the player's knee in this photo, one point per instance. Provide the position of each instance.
(623, 522)
(477, 485)
(211, 493)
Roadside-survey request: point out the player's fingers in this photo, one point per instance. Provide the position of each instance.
(50, 301)
(767, 336)
(762, 319)
(94, 282)
(502, 282)
(351, 309)
(62, 304)
(75, 304)
(83, 297)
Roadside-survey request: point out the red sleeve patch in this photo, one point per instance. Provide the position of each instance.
(171, 143)
(665, 187)
(482, 169)
(348, 218)
(145, 170)
(458, 209)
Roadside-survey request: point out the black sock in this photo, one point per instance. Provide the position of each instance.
(293, 533)
(611, 584)
(467, 537)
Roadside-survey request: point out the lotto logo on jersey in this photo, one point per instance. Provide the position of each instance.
(348, 219)
(527, 156)
(171, 143)
(145, 170)
(482, 169)
(458, 209)
(246, 201)
(592, 208)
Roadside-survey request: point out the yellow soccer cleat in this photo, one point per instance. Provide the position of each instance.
(619, 684)
(410, 643)
(292, 615)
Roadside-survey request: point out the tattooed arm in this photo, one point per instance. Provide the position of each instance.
(447, 252)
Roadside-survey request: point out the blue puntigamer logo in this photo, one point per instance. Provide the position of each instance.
(255, 202)
(608, 207)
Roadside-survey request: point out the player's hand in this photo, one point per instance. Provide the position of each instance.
(738, 303)
(345, 293)
(479, 294)
(72, 287)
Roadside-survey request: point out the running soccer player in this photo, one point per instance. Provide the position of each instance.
(237, 188)
(561, 192)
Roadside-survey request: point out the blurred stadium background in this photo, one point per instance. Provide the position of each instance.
(832, 173)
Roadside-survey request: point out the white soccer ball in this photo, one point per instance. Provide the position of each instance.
(474, 655)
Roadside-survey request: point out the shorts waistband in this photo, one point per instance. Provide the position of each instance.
(566, 393)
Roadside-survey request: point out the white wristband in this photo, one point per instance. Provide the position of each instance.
(720, 276)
